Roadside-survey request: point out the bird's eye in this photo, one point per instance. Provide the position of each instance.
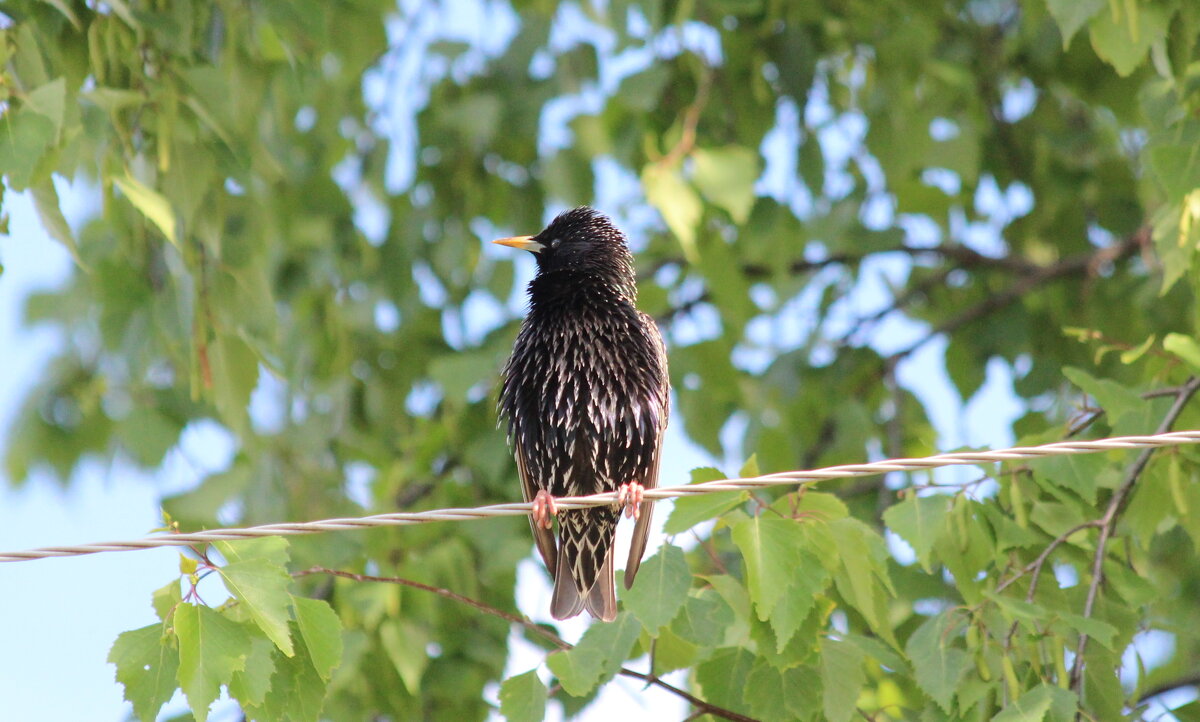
(554, 243)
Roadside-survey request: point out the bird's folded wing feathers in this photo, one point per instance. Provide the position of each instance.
(641, 530)
(542, 537)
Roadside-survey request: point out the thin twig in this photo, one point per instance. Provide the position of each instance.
(529, 624)
(1109, 520)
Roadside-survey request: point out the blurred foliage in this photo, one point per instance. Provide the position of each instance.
(294, 200)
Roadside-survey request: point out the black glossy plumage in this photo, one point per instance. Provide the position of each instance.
(585, 395)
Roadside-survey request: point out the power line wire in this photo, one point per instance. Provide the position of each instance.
(785, 478)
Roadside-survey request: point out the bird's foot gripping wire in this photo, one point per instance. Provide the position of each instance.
(544, 510)
(630, 497)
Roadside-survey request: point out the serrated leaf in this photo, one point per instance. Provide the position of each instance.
(297, 692)
(211, 649)
(937, 666)
(723, 677)
(704, 619)
(767, 693)
(146, 668)
(597, 657)
(842, 678)
(523, 698)
(165, 598)
(322, 632)
(251, 685)
(726, 177)
(577, 671)
(152, 204)
(691, 510)
(661, 588)
(262, 588)
(771, 548)
(918, 521)
(798, 599)
(861, 566)
(677, 202)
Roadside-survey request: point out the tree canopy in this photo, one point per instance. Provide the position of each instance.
(833, 205)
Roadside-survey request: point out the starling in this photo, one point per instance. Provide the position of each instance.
(585, 397)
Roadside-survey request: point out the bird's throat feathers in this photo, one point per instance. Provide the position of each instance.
(570, 289)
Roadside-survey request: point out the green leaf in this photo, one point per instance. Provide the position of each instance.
(861, 555)
(1116, 400)
(771, 548)
(165, 598)
(937, 666)
(251, 685)
(322, 632)
(24, 137)
(262, 588)
(404, 643)
(677, 202)
(1034, 704)
(235, 374)
(1071, 15)
(1101, 631)
(726, 177)
(49, 100)
(798, 599)
(704, 619)
(918, 520)
(723, 677)
(578, 671)
(152, 204)
(1124, 43)
(842, 678)
(297, 692)
(146, 667)
(1185, 348)
(523, 698)
(691, 510)
(211, 649)
(45, 200)
(598, 656)
(660, 590)
(767, 692)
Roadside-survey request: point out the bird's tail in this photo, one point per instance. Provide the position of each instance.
(584, 574)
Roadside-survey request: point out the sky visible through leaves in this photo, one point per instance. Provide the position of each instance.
(100, 499)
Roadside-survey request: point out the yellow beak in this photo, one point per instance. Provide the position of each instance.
(525, 243)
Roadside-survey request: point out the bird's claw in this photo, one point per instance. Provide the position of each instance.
(544, 510)
(630, 497)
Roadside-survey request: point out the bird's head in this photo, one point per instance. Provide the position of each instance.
(581, 243)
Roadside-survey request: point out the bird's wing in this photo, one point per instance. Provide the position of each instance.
(641, 530)
(542, 537)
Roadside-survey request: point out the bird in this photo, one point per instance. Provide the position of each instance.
(585, 395)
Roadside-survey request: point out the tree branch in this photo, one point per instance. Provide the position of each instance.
(653, 679)
(1044, 274)
(1109, 521)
